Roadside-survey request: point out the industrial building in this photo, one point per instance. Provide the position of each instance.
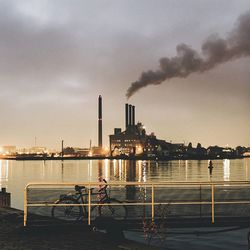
(134, 140)
(8, 150)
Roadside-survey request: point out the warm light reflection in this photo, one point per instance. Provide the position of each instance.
(144, 171)
(140, 171)
(106, 169)
(226, 170)
(246, 171)
(115, 167)
(120, 169)
(7, 169)
(43, 169)
(186, 169)
(4, 171)
(125, 171)
(90, 170)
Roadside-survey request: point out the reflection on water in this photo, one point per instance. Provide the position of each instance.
(130, 169)
(226, 168)
(142, 173)
(4, 173)
(14, 175)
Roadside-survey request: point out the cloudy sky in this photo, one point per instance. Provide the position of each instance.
(57, 56)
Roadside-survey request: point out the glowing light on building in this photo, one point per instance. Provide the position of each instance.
(139, 149)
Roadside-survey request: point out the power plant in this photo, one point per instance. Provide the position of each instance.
(133, 140)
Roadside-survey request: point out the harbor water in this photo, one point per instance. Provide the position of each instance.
(14, 175)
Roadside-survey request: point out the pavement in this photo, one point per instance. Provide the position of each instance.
(229, 237)
(13, 236)
(226, 233)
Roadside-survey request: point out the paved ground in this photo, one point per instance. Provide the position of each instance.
(13, 236)
(178, 234)
(228, 238)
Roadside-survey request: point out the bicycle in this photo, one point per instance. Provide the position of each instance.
(76, 213)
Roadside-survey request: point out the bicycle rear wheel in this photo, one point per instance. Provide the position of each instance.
(114, 209)
(69, 213)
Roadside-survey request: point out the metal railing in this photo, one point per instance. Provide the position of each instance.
(152, 185)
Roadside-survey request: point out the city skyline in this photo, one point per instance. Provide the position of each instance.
(58, 57)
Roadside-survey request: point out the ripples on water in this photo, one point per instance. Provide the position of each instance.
(14, 175)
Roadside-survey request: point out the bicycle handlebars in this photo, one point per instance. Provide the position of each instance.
(80, 188)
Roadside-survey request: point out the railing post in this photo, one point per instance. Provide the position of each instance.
(89, 206)
(212, 194)
(153, 203)
(25, 214)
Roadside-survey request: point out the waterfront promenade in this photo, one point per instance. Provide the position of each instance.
(13, 236)
(186, 224)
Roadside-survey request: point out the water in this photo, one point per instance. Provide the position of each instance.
(14, 175)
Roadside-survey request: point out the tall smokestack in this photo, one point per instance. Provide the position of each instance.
(126, 115)
(130, 115)
(133, 115)
(100, 121)
(62, 149)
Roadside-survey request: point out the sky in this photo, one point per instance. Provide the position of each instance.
(58, 56)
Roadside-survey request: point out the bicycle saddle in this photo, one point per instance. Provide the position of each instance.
(79, 188)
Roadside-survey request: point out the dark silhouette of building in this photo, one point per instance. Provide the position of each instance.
(132, 140)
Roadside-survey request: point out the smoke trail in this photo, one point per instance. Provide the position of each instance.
(214, 50)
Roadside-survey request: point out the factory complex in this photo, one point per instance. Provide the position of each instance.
(135, 142)
(132, 142)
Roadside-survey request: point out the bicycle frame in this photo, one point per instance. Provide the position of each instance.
(82, 198)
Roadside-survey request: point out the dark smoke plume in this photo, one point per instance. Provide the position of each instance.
(214, 50)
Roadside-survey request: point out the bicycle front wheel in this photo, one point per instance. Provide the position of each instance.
(67, 212)
(112, 208)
